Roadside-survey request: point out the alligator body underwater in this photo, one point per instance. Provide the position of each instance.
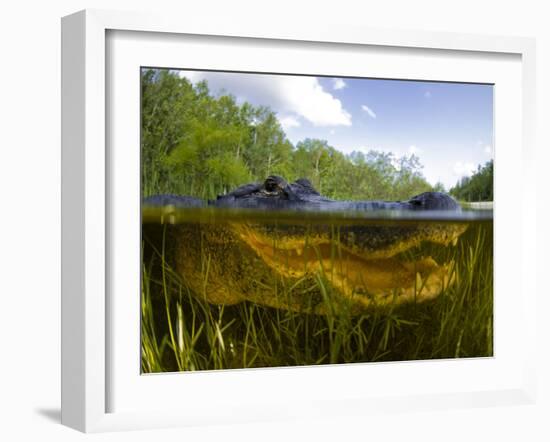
(308, 266)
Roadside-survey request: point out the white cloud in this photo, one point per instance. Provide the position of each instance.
(193, 76)
(332, 131)
(464, 169)
(285, 94)
(338, 83)
(488, 149)
(288, 122)
(427, 94)
(413, 150)
(368, 110)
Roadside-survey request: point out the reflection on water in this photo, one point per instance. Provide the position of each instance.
(312, 214)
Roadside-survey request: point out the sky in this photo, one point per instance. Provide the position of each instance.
(449, 126)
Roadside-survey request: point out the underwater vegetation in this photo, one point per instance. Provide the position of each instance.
(226, 291)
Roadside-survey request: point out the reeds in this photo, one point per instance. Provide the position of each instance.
(180, 331)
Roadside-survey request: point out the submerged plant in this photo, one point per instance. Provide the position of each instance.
(181, 331)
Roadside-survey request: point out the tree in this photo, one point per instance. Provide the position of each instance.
(478, 187)
(167, 106)
(312, 161)
(268, 151)
(195, 143)
(439, 187)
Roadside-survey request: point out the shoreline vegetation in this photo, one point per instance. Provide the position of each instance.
(477, 188)
(197, 144)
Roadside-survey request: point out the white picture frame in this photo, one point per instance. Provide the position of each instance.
(86, 210)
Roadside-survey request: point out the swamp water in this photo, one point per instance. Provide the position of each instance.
(226, 288)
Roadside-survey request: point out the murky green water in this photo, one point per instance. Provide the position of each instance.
(431, 269)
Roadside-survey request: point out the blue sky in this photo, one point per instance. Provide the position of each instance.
(449, 126)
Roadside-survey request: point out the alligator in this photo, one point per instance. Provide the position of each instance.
(305, 264)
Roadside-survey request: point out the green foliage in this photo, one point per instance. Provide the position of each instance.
(478, 187)
(439, 187)
(199, 145)
(167, 104)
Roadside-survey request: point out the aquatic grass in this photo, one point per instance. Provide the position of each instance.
(151, 347)
(181, 331)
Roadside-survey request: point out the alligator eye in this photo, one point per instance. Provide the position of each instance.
(274, 183)
(270, 184)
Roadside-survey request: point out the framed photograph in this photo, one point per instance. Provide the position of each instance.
(264, 223)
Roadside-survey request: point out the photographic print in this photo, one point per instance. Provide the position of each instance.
(298, 220)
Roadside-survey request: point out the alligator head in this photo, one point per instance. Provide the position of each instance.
(295, 264)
